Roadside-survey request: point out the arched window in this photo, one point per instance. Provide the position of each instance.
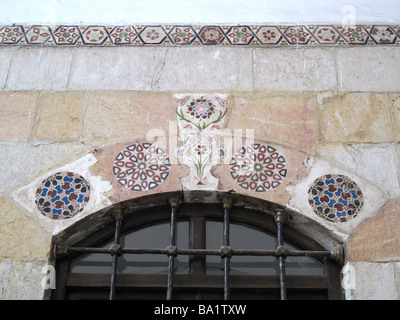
(198, 251)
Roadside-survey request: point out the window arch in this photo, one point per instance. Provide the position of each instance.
(183, 250)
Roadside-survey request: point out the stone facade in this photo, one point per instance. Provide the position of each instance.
(324, 110)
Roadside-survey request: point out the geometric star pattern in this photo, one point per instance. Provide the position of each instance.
(172, 35)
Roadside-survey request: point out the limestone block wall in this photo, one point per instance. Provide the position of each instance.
(320, 112)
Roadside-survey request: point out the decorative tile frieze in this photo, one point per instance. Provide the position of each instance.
(383, 35)
(95, 35)
(244, 35)
(37, 35)
(355, 35)
(335, 198)
(141, 167)
(153, 35)
(66, 35)
(326, 34)
(297, 35)
(123, 35)
(241, 35)
(62, 195)
(211, 35)
(270, 35)
(11, 34)
(182, 34)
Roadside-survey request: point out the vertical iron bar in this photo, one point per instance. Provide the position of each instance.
(197, 240)
(227, 259)
(282, 273)
(280, 219)
(115, 251)
(174, 202)
(227, 203)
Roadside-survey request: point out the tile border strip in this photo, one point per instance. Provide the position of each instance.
(184, 35)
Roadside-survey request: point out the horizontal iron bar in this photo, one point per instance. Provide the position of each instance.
(215, 252)
(89, 250)
(88, 280)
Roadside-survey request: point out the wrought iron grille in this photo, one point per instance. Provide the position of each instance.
(226, 252)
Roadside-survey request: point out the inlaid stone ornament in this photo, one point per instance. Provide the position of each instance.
(62, 195)
(201, 119)
(141, 167)
(258, 167)
(335, 198)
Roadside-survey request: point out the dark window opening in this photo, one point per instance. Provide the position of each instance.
(198, 251)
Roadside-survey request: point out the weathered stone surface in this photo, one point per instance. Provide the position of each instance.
(21, 236)
(23, 160)
(24, 279)
(276, 117)
(372, 281)
(294, 70)
(60, 116)
(40, 69)
(355, 118)
(394, 100)
(397, 153)
(120, 116)
(161, 69)
(396, 266)
(204, 68)
(5, 59)
(377, 239)
(111, 69)
(366, 69)
(17, 113)
(366, 161)
(129, 99)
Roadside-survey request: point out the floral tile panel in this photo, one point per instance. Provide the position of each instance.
(62, 195)
(335, 198)
(201, 118)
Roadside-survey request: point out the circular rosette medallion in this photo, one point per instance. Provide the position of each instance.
(335, 198)
(62, 195)
(258, 167)
(141, 167)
